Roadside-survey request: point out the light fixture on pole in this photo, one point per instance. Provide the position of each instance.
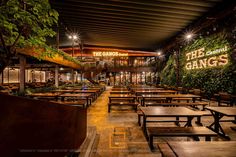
(73, 37)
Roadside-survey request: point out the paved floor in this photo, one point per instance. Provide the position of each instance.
(120, 135)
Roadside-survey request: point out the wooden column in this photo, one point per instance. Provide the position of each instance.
(81, 76)
(22, 74)
(72, 76)
(56, 76)
(114, 79)
(131, 77)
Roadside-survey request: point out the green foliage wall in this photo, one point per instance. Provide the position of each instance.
(211, 80)
(168, 74)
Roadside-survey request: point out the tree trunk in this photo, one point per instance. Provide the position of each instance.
(3, 65)
(5, 60)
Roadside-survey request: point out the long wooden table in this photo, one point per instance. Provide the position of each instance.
(95, 93)
(169, 97)
(86, 96)
(120, 92)
(144, 92)
(218, 113)
(168, 112)
(198, 149)
(44, 95)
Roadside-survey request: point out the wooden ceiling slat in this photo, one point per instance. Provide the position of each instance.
(124, 22)
(130, 13)
(172, 23)
(204, 3)
(140, 8)
(120, 22)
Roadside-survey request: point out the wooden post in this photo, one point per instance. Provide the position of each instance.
(2, 76)
(22, 74)
(114, 79)
(72, 77)
(130, 77)
(56, 76)
(144, 77)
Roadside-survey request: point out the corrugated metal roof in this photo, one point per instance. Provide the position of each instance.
(134, 24)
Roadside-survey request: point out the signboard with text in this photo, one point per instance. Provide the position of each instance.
(200, 59)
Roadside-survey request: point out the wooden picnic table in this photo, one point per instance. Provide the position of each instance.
(119, 89)
(95, 93)
(198, 149)
(44, 95)
(218, 113)
(86, 96)
(168, 112)
(157, 91)
(120, 92)
(143, 89)
(122, 97)
(168, 97)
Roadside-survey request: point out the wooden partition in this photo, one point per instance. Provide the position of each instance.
(37, 128)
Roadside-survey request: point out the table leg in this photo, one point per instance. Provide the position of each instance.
(177, 121)
(189, 121)
(216, 127)
(142, 101)
(87, 99)
(145, 126)
(198, 121)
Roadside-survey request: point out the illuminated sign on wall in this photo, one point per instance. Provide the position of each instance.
(199, 59)
(109, 54)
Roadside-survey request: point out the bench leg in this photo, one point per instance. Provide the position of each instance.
(139, 120)
(150, 142)
(177, 121)
(196, 138)
(109, 108)
(208, 138)
(198, 121)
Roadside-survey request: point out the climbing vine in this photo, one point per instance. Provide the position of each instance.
(210, 79)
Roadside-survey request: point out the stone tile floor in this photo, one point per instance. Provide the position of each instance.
(120, 135)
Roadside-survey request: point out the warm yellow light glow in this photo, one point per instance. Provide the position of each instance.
(189, 36)
(75, 37)
(199, 59)
(108, 53)
(159, 53)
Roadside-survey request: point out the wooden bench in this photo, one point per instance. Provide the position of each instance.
(79, 103)
(179, 132)
(140, 115)
(134, 104)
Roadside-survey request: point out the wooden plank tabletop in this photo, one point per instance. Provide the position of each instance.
(75, 95)
(43, 94)
(228, 111)
(122, 96)
(168, 112)
(171, 96)
(120, 92)
(203, 149)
